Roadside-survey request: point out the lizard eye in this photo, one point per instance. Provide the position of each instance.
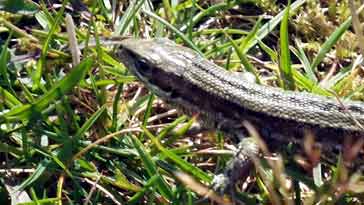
(144, 68)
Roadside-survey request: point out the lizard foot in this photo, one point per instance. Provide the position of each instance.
(238, 167)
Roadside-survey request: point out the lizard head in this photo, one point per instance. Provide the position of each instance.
(142, 56)
(158, 63)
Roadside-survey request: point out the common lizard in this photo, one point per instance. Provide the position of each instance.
(224, 100)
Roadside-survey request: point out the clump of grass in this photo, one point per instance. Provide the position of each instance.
(83, 130)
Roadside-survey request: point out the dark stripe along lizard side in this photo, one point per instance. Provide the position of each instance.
(224, 100)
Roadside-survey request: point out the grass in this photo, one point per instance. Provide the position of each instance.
(86, 132)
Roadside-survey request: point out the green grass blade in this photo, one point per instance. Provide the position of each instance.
(9, 99)
(330, 42)
(339, 80)
(5, 148)
(151, 168)
(170, 127)
(111, 61)
(187, 167)
(58, 162)
(300, 54)
(168, 10)
(87, 125)
(285, 58)
(263, 31)
(210, 10)
(135, 199)
(41, 63)
(38, 172)
(58, 90)
(45, 19)
(177, 133)
(268, 27)
(41, 201)
(307, 84)
(4, 59)
(122, 25)
(243, 59)
(116, 81)
(116, 109)
(272, 53)
(148, 110)
(174, 29)
(251, 35)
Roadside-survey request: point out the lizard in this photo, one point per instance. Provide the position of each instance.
(181, 77)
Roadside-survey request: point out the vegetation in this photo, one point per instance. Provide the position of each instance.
(78, 128)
